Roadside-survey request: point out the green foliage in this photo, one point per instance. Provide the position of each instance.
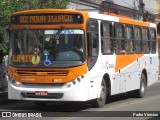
(3, 49)
(8, 7)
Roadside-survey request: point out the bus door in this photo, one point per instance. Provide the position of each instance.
(92, 48)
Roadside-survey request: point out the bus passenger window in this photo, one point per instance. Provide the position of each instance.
(106, 35)
(129, 46)
(119, 38)
(152, 41)
(129, 39)
(138, 39)
(145, 37)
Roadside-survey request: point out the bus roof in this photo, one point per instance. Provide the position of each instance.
(95, 15)
(49, 11)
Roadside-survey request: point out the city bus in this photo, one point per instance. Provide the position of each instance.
(71, 55)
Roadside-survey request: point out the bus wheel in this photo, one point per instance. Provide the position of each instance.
(141, 91)
(100, 102)
(40, 103)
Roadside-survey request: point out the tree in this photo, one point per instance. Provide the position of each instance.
(7, 7)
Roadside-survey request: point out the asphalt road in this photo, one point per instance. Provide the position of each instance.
(118, 107)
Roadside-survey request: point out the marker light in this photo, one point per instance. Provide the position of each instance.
(68, 84)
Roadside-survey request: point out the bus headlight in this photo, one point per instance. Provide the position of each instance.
(14, 82)
(68, 84)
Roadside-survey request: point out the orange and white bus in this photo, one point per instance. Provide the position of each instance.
(70, 55)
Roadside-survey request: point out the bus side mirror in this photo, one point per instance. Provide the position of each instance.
(5, 40)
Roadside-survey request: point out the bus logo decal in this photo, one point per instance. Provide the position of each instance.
(150, 60)
(36, 59)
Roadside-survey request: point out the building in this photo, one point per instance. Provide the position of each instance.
(158, 12)
(136, 9)
(88, 5)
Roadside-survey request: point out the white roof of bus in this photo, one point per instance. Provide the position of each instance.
(153, 25)
(103, 17)
(96, 15)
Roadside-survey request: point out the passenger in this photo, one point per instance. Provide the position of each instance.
(128, 48)
(77, 47)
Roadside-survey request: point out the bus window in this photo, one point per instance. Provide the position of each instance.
(106, 35)
(129, 39)
(145, 38)
(119, 38)
(92, 40)
(138, 40)
(152, 41)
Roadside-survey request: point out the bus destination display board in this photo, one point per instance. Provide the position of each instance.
(47, 19)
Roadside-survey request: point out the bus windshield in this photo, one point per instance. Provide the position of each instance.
(47, 48)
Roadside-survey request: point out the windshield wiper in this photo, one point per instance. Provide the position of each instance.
(56, 36)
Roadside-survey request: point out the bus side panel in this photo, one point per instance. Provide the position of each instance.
(133, 81)
(153, 69)
(133, 73)
(128, 72)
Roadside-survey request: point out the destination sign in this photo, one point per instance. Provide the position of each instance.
(47, 19)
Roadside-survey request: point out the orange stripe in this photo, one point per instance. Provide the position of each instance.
(116, 15)
(36, 11)
(134, 22)
(124, 60)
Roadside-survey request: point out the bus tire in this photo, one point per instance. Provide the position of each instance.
(40, 103)
(140, 93)
(100, 102)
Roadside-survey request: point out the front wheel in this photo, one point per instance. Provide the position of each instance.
(100, 102)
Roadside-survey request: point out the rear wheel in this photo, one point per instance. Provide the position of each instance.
(141, 91)
(100, 102)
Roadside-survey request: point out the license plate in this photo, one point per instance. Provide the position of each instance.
(41, 93)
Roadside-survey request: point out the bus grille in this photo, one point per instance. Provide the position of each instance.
(42, 72)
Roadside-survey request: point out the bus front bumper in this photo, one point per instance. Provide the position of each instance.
(75, 91)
